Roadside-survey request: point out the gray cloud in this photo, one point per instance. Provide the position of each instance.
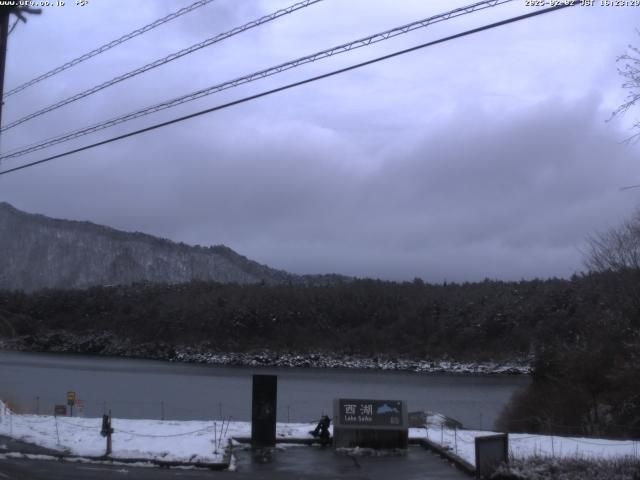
(488, 157)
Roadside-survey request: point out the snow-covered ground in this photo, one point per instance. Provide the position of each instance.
(462, 443)
(206, 441)
(187, 441)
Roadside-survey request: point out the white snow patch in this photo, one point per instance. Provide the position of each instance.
(186, 441)
(207, 441)
(370, 452)
(232, 463)
(522, 445)
(31, 456)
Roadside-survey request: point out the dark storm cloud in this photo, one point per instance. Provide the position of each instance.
(459, 205)
(484, 158)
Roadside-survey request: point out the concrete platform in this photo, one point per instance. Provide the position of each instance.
(323, 463)
(290, 462)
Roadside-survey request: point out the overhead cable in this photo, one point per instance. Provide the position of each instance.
(169, 58)
(108, 46)
(346, 47)
(292, 85)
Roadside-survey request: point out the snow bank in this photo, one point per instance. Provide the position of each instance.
(186, 441)
(206, 441)
(462, 443)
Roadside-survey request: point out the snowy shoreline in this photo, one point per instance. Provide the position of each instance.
(331, 360)
(107, 345)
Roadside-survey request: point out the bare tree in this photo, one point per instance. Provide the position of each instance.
(630, 72)
(616, 249)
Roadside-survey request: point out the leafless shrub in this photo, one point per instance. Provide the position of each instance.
(547, 468)
(630, 72)
(616, 249)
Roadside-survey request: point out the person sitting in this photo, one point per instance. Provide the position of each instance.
(322, 430)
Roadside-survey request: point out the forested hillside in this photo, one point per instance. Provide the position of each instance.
(582, 335)
(482, 320)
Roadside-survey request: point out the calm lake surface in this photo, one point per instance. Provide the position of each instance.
(153, 389)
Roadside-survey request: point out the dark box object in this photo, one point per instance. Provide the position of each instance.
(60, 410)
(491, 451)
(264, 409)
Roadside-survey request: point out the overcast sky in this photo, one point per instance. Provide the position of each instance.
(487, 156)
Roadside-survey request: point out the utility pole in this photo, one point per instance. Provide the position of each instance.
(5, 13)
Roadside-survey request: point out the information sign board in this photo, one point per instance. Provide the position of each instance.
(373, 413)
(370, 423)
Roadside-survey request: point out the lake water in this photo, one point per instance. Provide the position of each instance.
(35, 382)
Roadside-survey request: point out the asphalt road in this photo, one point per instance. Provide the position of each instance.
(290, 463)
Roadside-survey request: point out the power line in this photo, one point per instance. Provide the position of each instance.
(292, 85)
(346, 47)
(169, 58)
(15, 22)
(108, 46)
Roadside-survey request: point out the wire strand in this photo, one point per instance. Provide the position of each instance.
(13, 26)
(108, 46)
(346, 47)
(148, 435)
(291, 85)
(162, 61)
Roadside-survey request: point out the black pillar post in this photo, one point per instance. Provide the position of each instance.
(264, 409)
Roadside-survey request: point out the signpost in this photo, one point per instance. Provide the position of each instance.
(380, 413)
(106, 431)
(80, 407)
(370, 423)
(71, 400)
(60, 410)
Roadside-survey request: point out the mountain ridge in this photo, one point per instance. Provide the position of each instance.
(39, 252)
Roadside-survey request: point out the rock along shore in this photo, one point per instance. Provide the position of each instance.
(107, 344)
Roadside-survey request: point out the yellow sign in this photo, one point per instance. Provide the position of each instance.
(71, 398)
